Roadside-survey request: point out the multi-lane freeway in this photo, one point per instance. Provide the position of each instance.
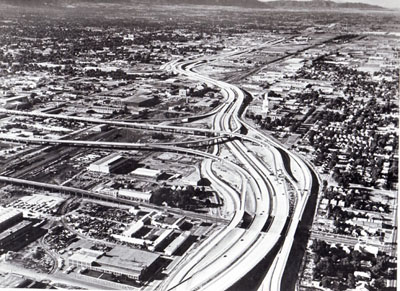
(241, 249)
(226, 257)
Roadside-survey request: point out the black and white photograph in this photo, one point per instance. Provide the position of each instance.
(199, 145)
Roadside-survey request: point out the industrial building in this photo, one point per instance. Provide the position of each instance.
(12, 280)
(161, 240)
(15, 232)
(132, 240)
(148, 173)
(120, 261)
(9, 217)
(84, 258)
(162, 236)
(177, 243)
(140, 101)
(135, 195)
(108, 164)
(11, 100)
(127, 235)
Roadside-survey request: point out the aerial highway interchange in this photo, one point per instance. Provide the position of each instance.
(238, 145)
(225, 258)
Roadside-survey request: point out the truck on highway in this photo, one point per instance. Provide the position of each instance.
(69, 269)
(60, 263)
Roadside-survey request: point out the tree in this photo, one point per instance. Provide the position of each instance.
(356, 255)
(376, 270)
(320, 247)
(183, 199)
(345, 264)
(379, 283)
(325, 282)
(336, 285)
(351, 280)
(325, 267)
(38, 253)
(161, 195)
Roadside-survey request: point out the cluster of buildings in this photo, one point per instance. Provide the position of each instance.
(108, 164)
(36, 205)
(338, 104)
(15, 231)
(357, 147)
(165, 236)
(114, 162)
(371, 226)
(119, 261)
(106, 75)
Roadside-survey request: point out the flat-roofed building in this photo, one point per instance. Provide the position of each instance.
(176, 243)
(21, 98)
(148, 173)
(132, 240)
(133, 228)
(160, 241)
(140, 101)
(134, 195)
(107, 164)
(84, 258)
(120, 261)
(14, 233)
(12, 280)
(132, 263)
(9, 217)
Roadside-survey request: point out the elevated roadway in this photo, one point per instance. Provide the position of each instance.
(215, 265)
(231, 264)
(237, 260)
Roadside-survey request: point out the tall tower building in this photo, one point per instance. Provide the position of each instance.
(265, 103)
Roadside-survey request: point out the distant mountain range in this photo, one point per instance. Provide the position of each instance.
(318, 4)
(280, 4)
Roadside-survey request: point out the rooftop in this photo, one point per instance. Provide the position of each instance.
(14, 229)
(127, 260)
(108, 159)
(146, 172)
(8, 213)
(134, 194)
(87, 256)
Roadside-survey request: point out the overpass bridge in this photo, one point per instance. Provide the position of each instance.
(226, 265)
(114, 145)
(104, 197)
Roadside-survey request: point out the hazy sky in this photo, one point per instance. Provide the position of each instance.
(383, 3)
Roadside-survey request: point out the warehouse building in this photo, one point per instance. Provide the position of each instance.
(84, 258)
(148, 173)
(120, 261)
(9, 217)
(108, 164)
(136, 226)
(14, 233)
(161, 240)
(140, 101)
(132, 240)
(177, 243)
(134, 195)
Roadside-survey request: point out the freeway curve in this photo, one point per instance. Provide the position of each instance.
(228, 256)
(202, 270)
(219, 271)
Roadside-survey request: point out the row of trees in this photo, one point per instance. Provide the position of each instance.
(181, 198)
(334, 267)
